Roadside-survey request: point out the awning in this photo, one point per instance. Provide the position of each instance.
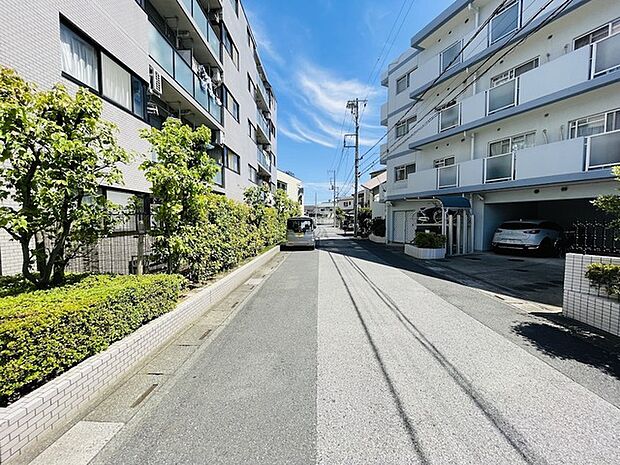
(453, 201)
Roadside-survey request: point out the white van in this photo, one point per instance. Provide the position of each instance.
(300, 232)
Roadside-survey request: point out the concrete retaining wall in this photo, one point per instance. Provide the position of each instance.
(585, 303)
(58, 401)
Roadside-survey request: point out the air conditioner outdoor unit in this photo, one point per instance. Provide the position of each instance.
(156, 82)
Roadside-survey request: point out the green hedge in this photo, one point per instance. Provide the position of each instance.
(44, 333)
(605, 276)
(429, 240)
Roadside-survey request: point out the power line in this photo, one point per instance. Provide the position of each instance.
(432, 108)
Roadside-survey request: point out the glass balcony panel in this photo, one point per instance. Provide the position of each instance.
(219, 176)
(499, 168)
(263, 159)
(448, 176)
(450, 117)
(607, 55)
(188, 5)
(502, 96)
(183, 74)
(200, 18)
(604, 150)
(201, 94)
(214, 41)
(215, 110)
(160, 50)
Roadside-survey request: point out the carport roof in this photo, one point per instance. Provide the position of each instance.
(453, 201)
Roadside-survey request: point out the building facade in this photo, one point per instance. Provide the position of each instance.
(291, 185)
(149, 59)
(500, 110)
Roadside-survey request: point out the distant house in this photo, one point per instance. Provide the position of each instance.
(374, 193)
(291, 185)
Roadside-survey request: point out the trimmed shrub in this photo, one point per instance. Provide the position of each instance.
(378, 227)
(44, 333)
(429, 240)
(605, 276)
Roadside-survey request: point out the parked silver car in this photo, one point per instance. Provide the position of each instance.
(540, 236)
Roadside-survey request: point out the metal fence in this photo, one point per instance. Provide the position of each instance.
(127, 250)
(594, 239)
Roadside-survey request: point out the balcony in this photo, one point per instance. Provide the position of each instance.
(193, 19)
(262, 135)
(606, 56)
(447, 176)
(603, 150)
(264, 161)
(504, 96)
(175, 65)
(450, 117)
(547, 160)
(261, 95)
(499, 168)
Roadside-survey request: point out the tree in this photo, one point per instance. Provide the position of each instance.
(610, 204)
(55, 152)
(181, 176)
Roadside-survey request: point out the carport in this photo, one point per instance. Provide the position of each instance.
(564, 212)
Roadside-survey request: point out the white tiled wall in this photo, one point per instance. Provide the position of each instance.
(585, 303)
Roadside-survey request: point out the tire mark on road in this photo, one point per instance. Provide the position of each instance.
(501, 424)
(404, 417)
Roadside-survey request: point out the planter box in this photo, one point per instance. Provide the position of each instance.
(585, 303)
(377, 239)
(425, 254)
(56, 402)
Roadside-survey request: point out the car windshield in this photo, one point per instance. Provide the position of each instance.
(519, 225)
(299, 226)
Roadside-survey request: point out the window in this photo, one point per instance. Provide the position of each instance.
(116, 82)
(511, 144)
(235, 4)
(598, 34)
(451, 56)
(79, 58)
(251, 131)
(402, 84)
(231, 48)
(514, 72)
(253, 174)
(447, 161)
(232, 105)
(595, 124)
(232, 161)
(401, 172)
(504, 22)
(403, 128)
(449, 116)
(251, 86)
(282, 185)
(86, 63)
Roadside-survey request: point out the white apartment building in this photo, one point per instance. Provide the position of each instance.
(502, 109)
(291, 185)
(147, 60)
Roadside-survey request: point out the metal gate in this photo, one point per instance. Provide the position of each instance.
(398, 228)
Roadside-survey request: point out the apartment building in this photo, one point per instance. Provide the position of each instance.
(149, 59)
(502, 109)
(291, 185)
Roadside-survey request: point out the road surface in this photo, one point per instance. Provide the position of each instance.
(353, 355)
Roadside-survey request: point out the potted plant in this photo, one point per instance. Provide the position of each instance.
(377, 230)
(427, 246)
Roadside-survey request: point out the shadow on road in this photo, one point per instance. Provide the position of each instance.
(589, 348)
(551, 334)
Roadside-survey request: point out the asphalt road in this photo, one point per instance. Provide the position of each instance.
(351, 354)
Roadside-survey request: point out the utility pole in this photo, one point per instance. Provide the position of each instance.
(354, 106)
(333, 188)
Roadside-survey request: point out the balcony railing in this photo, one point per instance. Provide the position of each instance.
(204, 26)
(263, 159)
(450, 117)
(502, 96)
(447, 176)
(603, 150)
(606, 56)
(499, 168)
(263, 124)
(174, 64)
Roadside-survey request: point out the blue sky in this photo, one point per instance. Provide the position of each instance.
(320, 54)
